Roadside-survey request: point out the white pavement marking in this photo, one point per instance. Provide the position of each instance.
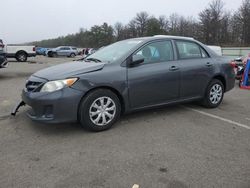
(218, 117)
(135, 186)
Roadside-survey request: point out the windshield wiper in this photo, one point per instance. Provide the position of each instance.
(94, 59)
(81, 59)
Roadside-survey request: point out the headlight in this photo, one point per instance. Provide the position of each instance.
(58, 84)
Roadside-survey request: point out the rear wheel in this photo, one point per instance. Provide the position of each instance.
(72, 55)
(214, 94)
(99, 110)
(21, 56)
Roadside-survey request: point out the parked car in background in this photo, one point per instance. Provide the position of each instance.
(88, 51)
(129, 75)
(3, 59)
(21, 53)
(216, 49)
(41, 51)
(67, 51)
(79, 50)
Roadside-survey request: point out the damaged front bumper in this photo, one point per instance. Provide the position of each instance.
(16, 108)
(55, 107)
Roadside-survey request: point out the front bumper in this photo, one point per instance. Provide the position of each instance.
(55, 107)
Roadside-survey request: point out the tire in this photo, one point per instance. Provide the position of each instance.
(54, 54)
(21, 56)
(72, 55)
(214, 94)
(92, 104)
(49, 54)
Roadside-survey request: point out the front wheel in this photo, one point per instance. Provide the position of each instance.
(21, 56)
(214, 94)
(99, 110)
(54, 54)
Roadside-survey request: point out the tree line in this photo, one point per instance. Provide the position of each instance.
(214, 26)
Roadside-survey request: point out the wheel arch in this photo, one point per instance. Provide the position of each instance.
(115, 91)
(21, 51)
(222, 79)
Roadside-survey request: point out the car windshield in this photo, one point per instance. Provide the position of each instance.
(114, 51)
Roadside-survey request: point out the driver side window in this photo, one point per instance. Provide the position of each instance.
(157, 52)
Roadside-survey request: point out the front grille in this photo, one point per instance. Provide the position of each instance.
(33, 86)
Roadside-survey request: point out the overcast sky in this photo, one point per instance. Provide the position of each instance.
(30, 20)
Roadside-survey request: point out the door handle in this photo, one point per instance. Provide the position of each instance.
(173, 68)
(208, 64)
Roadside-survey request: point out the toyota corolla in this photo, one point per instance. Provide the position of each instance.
(126, 76)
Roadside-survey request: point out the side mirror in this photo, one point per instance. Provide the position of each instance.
(137, 59)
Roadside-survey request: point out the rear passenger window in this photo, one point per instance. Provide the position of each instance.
(157, 52)
(190, 50)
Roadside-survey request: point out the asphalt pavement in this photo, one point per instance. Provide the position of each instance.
(177, 146)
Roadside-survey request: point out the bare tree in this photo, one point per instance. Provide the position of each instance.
(164, 23)
(210, 21)
(141, 21)
(244, 19)
(174, 24)
(118, 30)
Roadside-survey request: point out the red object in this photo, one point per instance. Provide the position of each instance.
(34, 49)
(245, 87)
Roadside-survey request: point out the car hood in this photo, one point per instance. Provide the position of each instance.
(67, 70)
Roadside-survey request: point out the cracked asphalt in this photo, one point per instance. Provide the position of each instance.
(173, 146)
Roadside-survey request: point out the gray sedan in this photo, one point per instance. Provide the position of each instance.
(126, 76)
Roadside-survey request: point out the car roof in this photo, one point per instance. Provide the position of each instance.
(163, 37)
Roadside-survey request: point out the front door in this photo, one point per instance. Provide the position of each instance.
(156, 80)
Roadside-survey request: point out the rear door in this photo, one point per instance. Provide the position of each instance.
(67, 51)
(156, 80)
(64, 51)
(196, 66)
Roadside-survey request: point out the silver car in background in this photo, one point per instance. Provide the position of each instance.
(68, 51)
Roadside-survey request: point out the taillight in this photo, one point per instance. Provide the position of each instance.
(34, 49)
(2, 45)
